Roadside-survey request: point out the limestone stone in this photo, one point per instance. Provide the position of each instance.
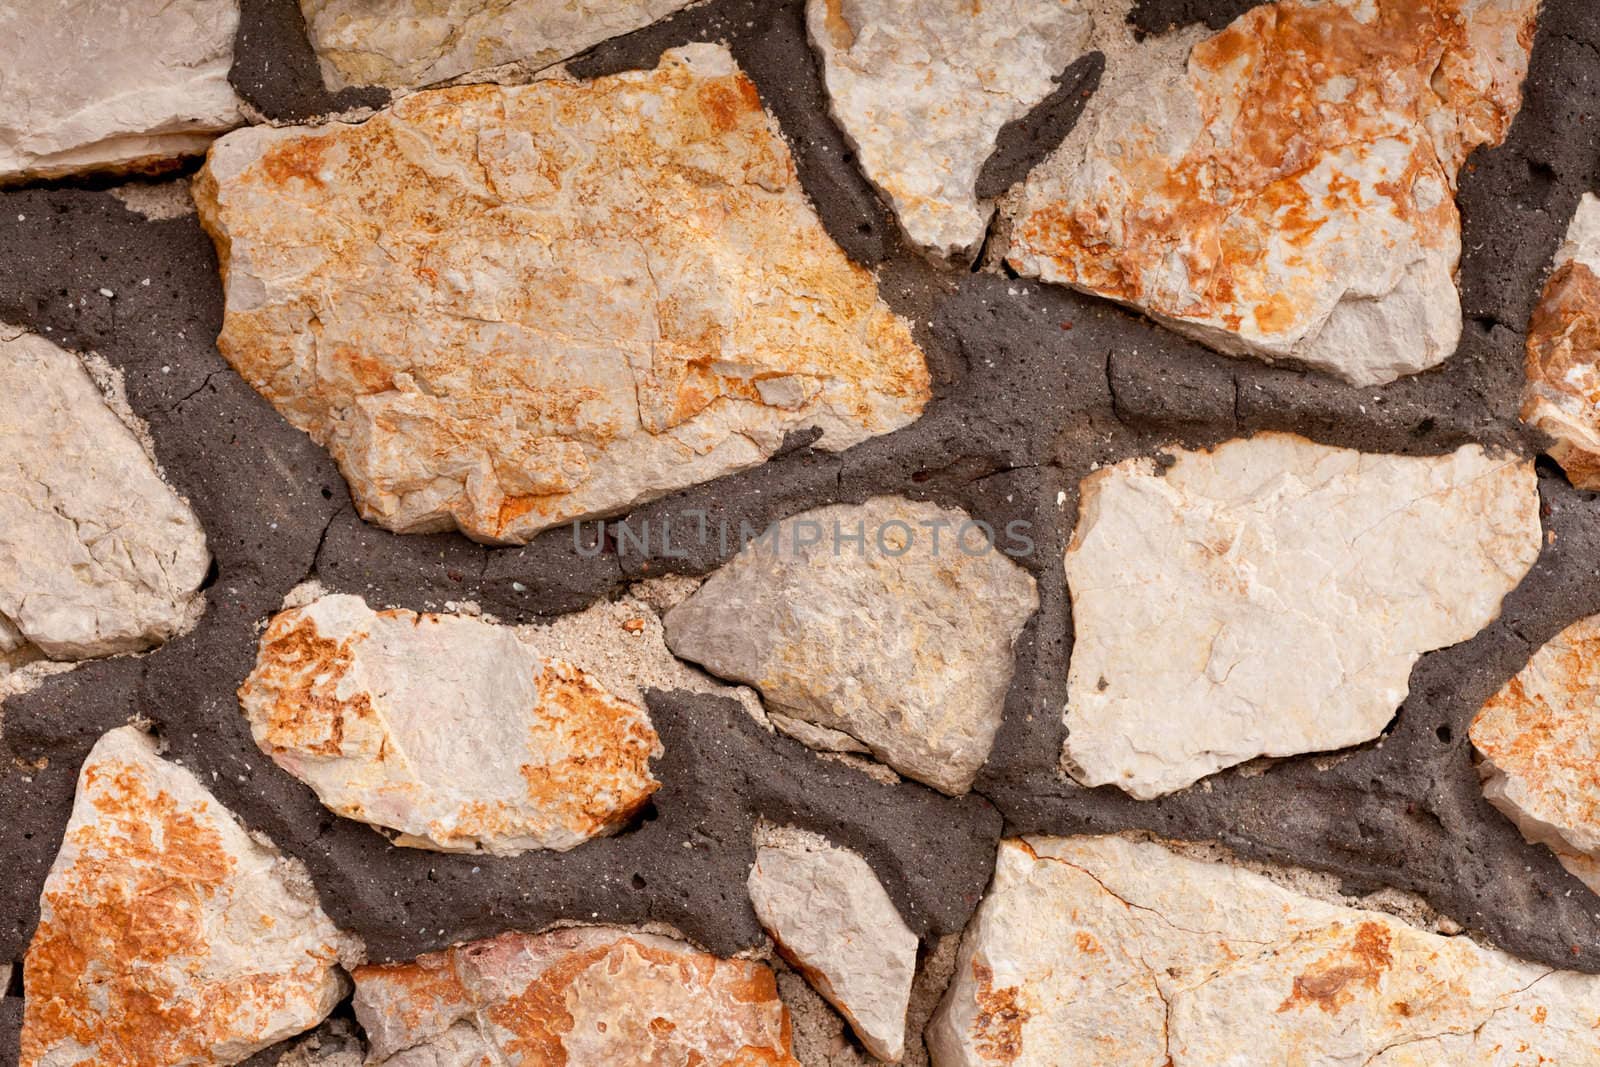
(621, 286)
(97, 554)
(333, 1044)
(1562, 397)
(1539, 739)
(168, 933)
(585, 995)
(921, 90)
(1286, 188)
(410, 43)
(1270, 596)
(832, 920)
(1110, 951)
(449, 730)
(900, 640)
(131, 85)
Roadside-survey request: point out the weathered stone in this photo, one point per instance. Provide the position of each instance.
(922, 90)
(97, 554)
(333, 1044)
(447, 729)
(1286, 189)
(900, 640)
(622, 287)
(577, 996)
(1270, 597)
(832, 920)
(410, 43)
(1110, 951)
(129, 86)
(1563, 366)
(168, 933)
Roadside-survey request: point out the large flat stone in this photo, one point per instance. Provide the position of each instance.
(1563, 366)
(900, 642)
(1105, 951)
(167, 933)
(1286, 188)
(621, 284)
(1269, 597)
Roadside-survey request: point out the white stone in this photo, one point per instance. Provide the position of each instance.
(1269, 597)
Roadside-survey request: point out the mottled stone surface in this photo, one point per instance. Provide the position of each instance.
(1286, 189)
(447, 729)
(1270, 597)
(97, 554)
(1563, 392)
(134, 84)
(623, 289)
(922, 89)
(167, 933)
(901, 641)
(1110, 951)
(578, 996)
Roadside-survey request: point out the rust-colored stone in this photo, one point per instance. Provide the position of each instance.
(1562, 397)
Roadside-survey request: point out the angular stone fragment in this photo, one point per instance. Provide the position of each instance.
(1109, 951)
(447, 729)
(575, 996)
(97, 554)
(900, 640)
(1562, 397)
(1269, 597)
(410, 43)
(921, 90)
(1286, 189)
(503, 308)
(130, 85)
(832, 919)
(167, 933)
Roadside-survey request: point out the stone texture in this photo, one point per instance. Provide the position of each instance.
(410, 43)
(578, 996)
(131, 85)
(447, 729)
(922, 90)
(1110, 951)
(97, 554)
(1539, 739)
(623, 289)
(903, 643)
(1286, 189)
(1270, 597)
(832, 920)
(167, 933)
(1563, 368)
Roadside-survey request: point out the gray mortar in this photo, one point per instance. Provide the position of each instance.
(1033, 386)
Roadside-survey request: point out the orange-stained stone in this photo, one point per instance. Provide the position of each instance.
(1562, 397)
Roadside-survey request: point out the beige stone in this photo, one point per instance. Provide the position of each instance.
(621, 284)
(1562, 397)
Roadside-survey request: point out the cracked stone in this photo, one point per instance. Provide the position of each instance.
(1286, 188)
(167, 932)
(1563, 366)
(1270, 596)
(132, 87)
(922, 90)
(902, 640)
(623, 288)
(1105, 950)
(333, 1044)
(454, 732)
(97, 554)
(584, 995)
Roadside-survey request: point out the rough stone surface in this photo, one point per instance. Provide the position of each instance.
(167, 933)
(587, 995)
(623, 288)
(127, 86)
(1286, 189)
(97, 554)
(333, 1044)
(922, 91)
(1563, 393)
(446, 729)
(1270, 597)
(1110, 951)
(902, 642)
